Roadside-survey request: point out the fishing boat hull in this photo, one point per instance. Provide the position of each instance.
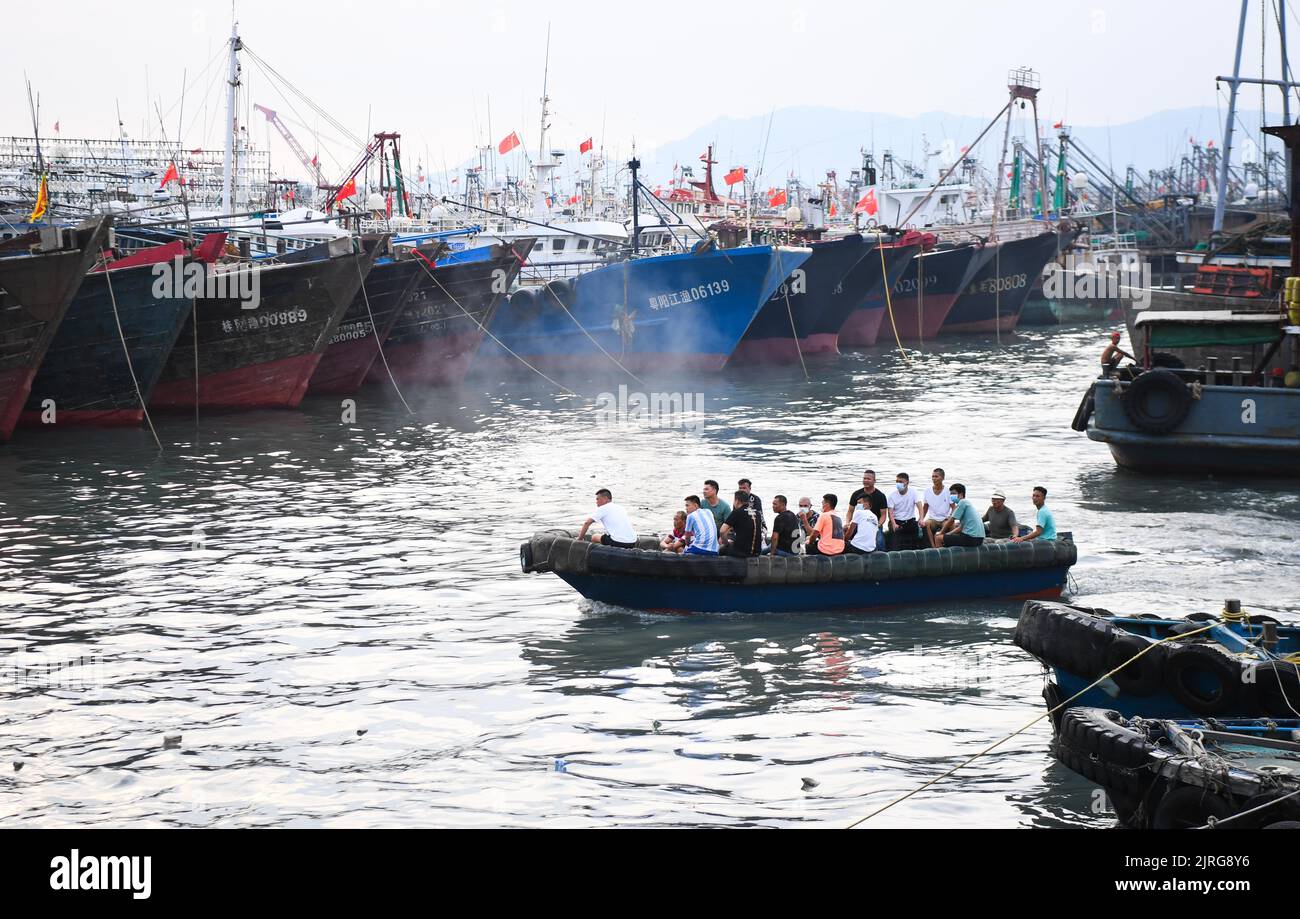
(864, 325)
(440, 326)
(926, 293)
(664, 313)
(797, 318)
(262, 357)
(87, 375)
(994, 297)
(36, 289)
(646, 579)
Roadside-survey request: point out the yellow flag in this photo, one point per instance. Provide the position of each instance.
(42, 202)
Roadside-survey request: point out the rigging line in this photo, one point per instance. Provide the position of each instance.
(329, 119)
(1215, 823)
(953, 167)
(1049, 712)
(797, 350)
(379, 345)
(293, 109)
(889, 300)
(424, 263)
(126, 352)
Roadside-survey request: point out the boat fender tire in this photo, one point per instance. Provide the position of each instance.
(525, 305)
(965, 560)
(994, 556)
(849, 568)
(526, 557)
(879, 566)
(817, 569)
(1053, 697)
(1165, 359)
(1275, 809)
(1205, 679)
(1282, 825)
(1157, 401)
(1077, 642)
(934, 563)
(1277, 684)
(1096, 745)
(560, 290)
(1144, 676)
(1188, 807)
(906, 564)
(1085, 409)
(791, 569)
(1020, 555)
(1043, 553)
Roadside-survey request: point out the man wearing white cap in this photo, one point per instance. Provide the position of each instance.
(1000, 520)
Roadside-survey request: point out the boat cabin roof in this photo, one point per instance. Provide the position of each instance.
(1208, 328)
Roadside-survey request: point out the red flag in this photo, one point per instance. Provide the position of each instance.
(171, 175)
(1209, 143)
(585, 146)
(868, 203)
(736, 175)
(508, 144)
(574, 199)
(1059, 124)
(315, 161)
(778, 199)
(347, 191)
(56, 127)
(832, 208)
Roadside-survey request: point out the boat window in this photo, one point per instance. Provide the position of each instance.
(537, 246)
(584, 244)
(557, 245)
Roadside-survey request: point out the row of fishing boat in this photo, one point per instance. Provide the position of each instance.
(95, 332)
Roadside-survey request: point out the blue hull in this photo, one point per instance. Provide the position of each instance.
(664, 595)
(687, 310)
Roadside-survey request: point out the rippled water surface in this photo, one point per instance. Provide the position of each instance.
(287, 619)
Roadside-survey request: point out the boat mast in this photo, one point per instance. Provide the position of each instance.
(546, 71)
(232, 124)
(1235, 83)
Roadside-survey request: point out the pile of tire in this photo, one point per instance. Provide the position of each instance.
(1200, 675)
(1122, 758)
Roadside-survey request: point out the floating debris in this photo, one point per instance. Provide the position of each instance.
(809, 784)
(171, 741)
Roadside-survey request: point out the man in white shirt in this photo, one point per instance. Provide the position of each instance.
(903, 531)
(611, 516)
(936, 505)
(862, 531)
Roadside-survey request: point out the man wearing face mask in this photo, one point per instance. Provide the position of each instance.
(963, 526)
(903, 530)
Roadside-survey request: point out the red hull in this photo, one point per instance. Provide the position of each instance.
(275, 384)
(862, 328)
(934, 311)
(109, 418)
(15, 387)
(440, 361)
(820, 344)
(345, 367)
(766, 351)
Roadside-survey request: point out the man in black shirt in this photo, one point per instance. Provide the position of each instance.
(753, 501)
(784, 527)
(741, 530)
(878, 500)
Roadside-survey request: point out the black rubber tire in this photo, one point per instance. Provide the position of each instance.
(1165, 359)
(1052, 697)
(1282, 825)
(1286, 811)
(1150, 386)
(1276, 685)
(525, 305)
(1188, 807)
(526, 556)
(1065, 637)
(1085, 410)
(1227, 697)
(1145, 676)
(1096, 745)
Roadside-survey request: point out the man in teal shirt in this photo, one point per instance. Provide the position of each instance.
(963, 526)
(1046, 528)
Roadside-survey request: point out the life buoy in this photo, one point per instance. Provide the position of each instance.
(1157, 401)
(1204, 678)
(1189, 807)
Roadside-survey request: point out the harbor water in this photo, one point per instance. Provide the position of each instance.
(317, 617)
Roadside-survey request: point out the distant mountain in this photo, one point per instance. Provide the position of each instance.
(808, 140)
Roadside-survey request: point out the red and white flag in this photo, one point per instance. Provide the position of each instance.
(867, 204)
(508, 144)
(736, 175)
(585, 146)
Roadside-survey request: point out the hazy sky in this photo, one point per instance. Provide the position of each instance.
(645, 71)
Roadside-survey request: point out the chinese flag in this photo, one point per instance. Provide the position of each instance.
(347, 191)
(585, 146)
(171, 175)
(778, 199)
(1059, 124)
(574, 199)
(868, 203)
(736, 175)
(508, 144)
(832, 208)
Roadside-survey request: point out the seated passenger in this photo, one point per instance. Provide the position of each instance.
(1000, 519)
(720, 509)
(742, 534)
(611, 516)
(701, 531)
(904, 531)
(827, 537)
(963, 526)
(676, 540)
(785, 528)
(936, 505)
(1046, 521)
(862, 532)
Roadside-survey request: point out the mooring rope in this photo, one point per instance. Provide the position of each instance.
(1216, 822)
(582, 329)
(379, 345)
(1018, 731)
(126, 352)
(424, 263)
(889, 300)
(798, 350)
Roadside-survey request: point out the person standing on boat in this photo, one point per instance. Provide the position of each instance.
(827, 537)
(904, 533)
(720, 509)
(1000, 519)
(742, 534)
(753, 501)
(963, 526)
(1046, 521)
(701, 530)
(785, 528)
(936, 505)
(611, 516)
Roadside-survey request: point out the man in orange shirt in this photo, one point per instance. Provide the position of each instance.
(827, 537)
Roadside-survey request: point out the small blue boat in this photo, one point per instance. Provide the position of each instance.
(648, 579)
(1236, 667)
(679, 311)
